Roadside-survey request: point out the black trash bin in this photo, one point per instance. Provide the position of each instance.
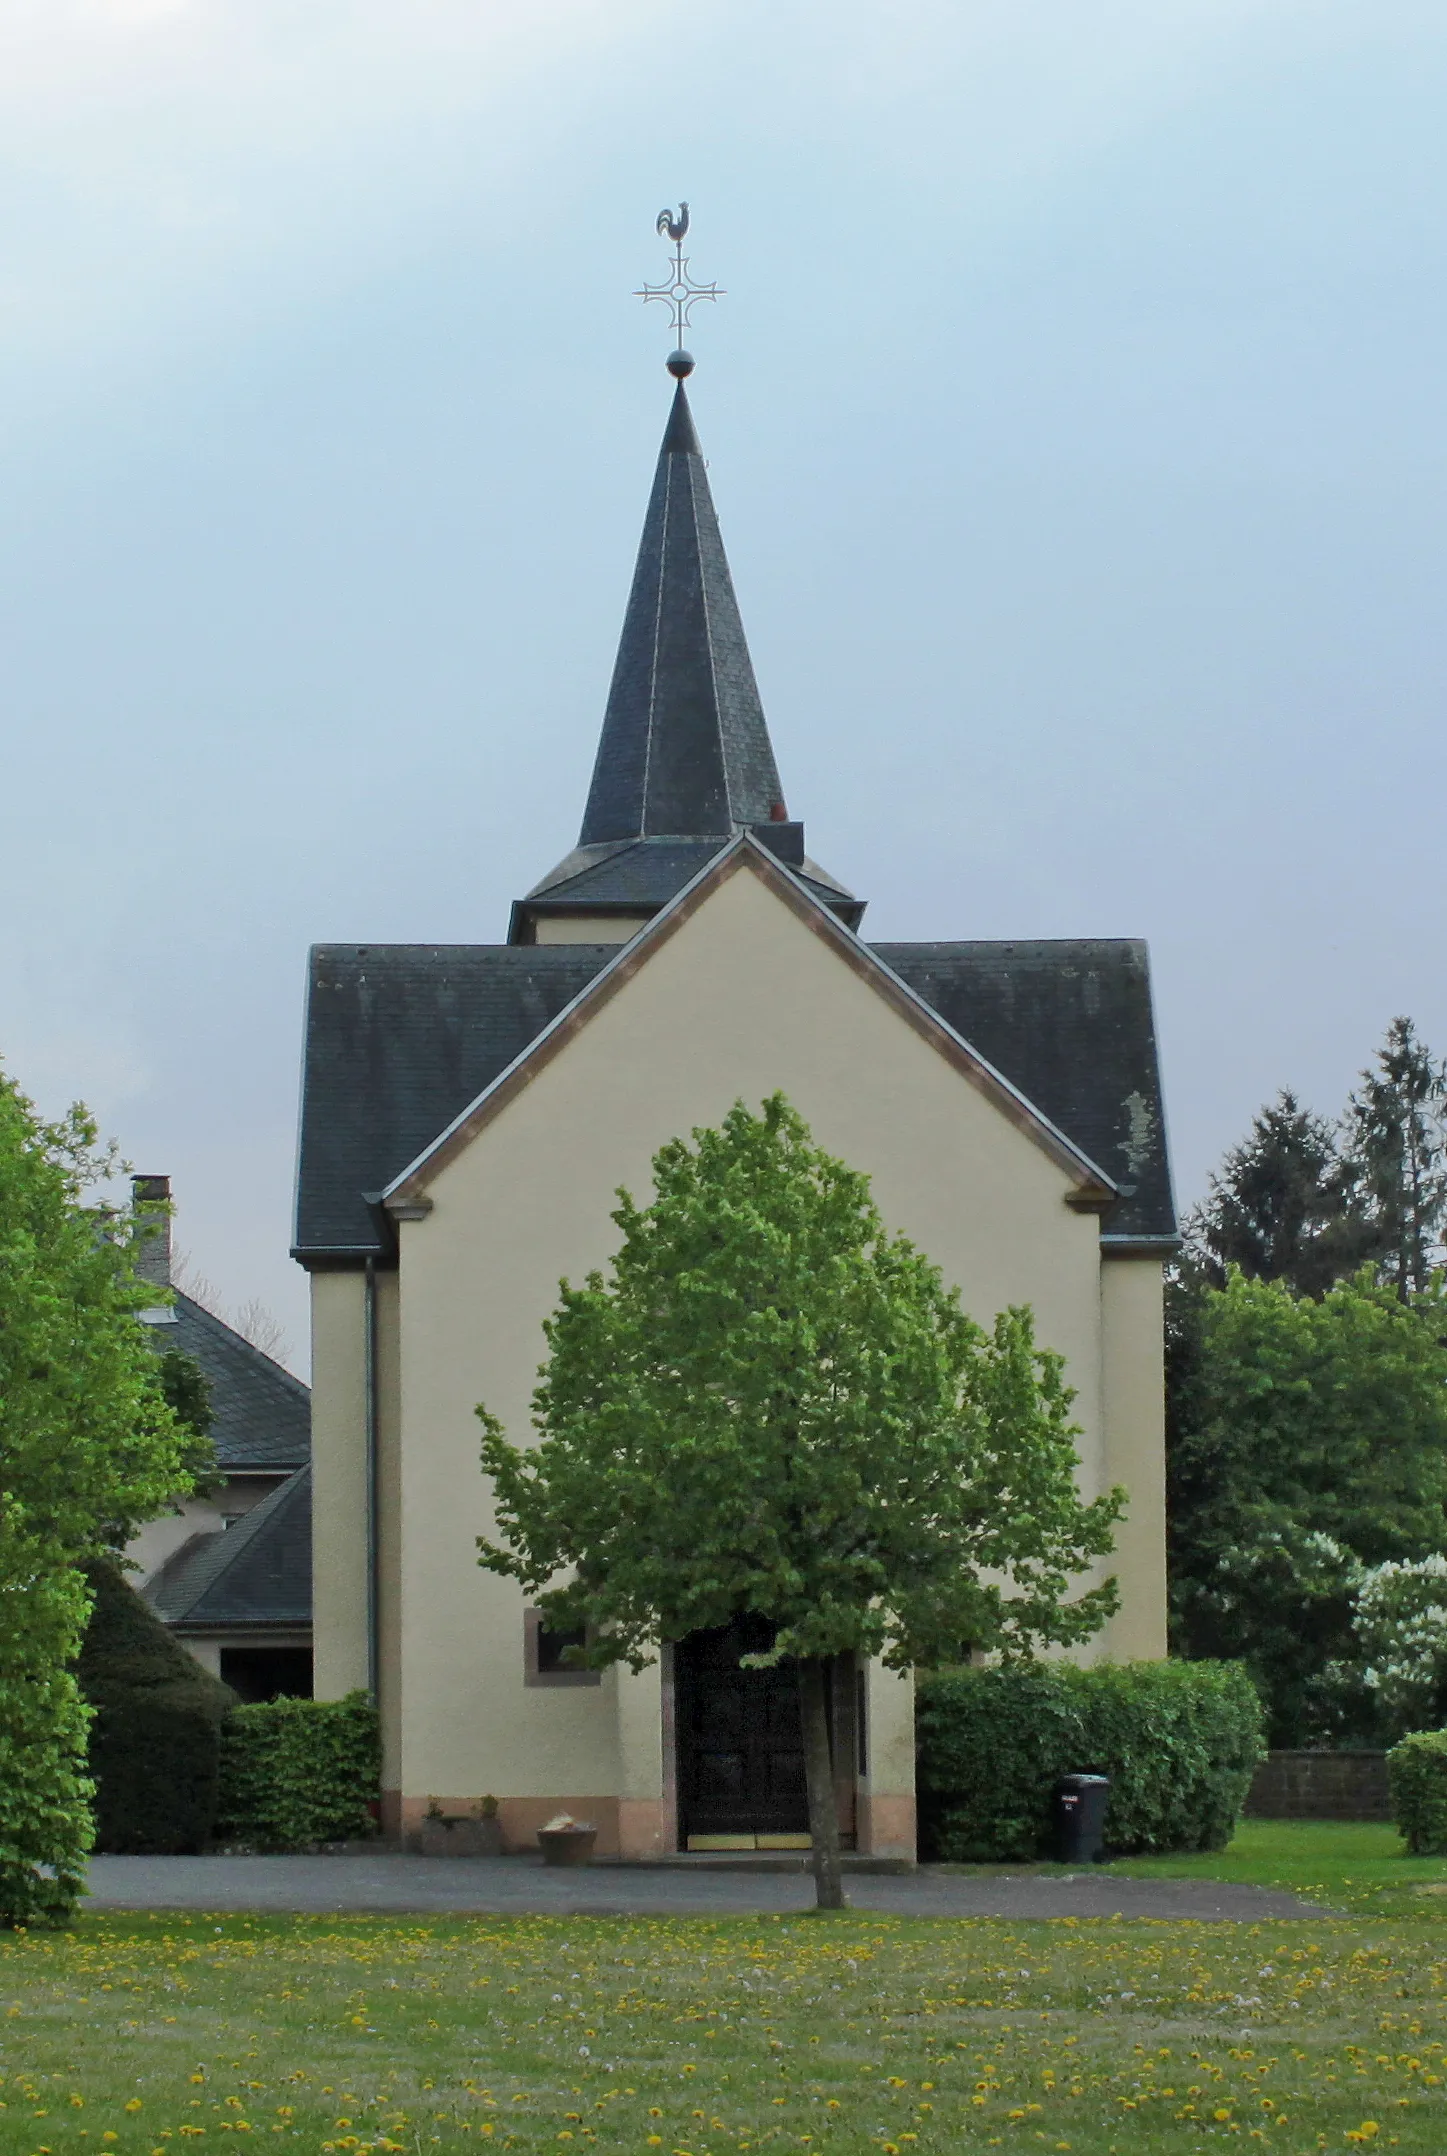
(1080, 1801)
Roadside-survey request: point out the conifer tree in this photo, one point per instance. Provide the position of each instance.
(1281, 1206)
(1397, 1151)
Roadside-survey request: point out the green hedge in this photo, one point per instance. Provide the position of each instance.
(1417, 1771)
(154, 1740)
(1179, 1740)
(295, 1772)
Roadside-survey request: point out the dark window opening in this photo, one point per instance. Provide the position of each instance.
(553, 1650)
(546, 1657)
(256, 1674)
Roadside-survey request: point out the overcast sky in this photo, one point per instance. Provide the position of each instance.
(1075, 416)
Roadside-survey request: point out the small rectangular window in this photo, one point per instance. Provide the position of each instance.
(545, 1654)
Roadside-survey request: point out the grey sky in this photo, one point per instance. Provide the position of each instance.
(1075, 417)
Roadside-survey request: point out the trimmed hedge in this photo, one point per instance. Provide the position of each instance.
(1417, 1771)
(154, 1744)
(1179, 1740)
(295, 1772)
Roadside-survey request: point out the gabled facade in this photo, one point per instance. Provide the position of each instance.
(469, 1111)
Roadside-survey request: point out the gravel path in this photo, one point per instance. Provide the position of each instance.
(521, 1886)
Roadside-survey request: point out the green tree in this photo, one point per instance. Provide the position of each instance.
(186, 1390)
(773, 1406)
(1308, 1437)
(1281, 1206)
(1397, 1147)
(88, 1450)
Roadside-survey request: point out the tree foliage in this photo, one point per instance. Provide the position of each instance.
(1399, 1616)
(773, 1406)
(1282, 1206)
(1310, 1201)
(1398, 1150)
(89, 1449)
(1311, 1439)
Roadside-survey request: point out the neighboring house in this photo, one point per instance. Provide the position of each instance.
(468, 1113)
(230, 1569)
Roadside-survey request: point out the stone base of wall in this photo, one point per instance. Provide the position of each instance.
(1320, 1785)
(635, 1829)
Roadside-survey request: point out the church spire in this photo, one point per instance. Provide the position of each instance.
(684, 761)
(685, 751)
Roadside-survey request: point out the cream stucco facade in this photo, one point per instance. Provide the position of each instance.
(744, 987)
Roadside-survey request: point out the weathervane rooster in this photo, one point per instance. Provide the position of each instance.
(680, 292)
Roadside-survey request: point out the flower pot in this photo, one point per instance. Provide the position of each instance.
(461, 1838)
(567, 1845)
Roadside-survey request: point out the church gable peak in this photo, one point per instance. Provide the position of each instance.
(406, 1197)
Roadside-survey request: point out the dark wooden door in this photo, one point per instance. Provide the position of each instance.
(740, 1751)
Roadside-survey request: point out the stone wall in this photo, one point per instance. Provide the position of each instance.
(1320, 1785)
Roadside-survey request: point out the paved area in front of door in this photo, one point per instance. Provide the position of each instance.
(523, 1886)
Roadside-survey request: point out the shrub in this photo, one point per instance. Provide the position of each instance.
(1179, 1740)
(45, 1817)
(1417, 1770)
(154, 1739)
(295, 1772)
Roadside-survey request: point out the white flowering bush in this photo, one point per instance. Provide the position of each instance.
(1400, 1620)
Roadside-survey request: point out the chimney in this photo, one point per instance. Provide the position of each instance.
(151, 1206)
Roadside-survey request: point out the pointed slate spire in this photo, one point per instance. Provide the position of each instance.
(684, 751)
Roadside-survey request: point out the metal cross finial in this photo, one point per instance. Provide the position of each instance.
(680, 292)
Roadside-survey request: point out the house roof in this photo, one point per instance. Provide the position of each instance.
(684, 749)
(403, 1041)
(261, 1414)
(258, 1572)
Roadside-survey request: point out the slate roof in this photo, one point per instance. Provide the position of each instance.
(261, 1413)
(399, 1039)
(258, 1572)
(402, 1038)
(1070, 1023)
(648, 872)
(684, 749)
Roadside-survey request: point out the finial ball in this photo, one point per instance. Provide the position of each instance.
(680, 365)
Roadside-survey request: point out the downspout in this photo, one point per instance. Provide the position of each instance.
(370, 1381)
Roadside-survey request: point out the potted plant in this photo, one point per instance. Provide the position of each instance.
(473, 1833)
(566, 1840)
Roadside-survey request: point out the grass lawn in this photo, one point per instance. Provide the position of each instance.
(139, 2034)
(1355, 1868)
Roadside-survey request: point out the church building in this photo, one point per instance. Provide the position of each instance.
(468, 1112)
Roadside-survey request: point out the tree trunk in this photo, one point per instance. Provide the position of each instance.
(819, 1773)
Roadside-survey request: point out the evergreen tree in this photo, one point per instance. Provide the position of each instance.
(1397, 1152)
(1281, 1206)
